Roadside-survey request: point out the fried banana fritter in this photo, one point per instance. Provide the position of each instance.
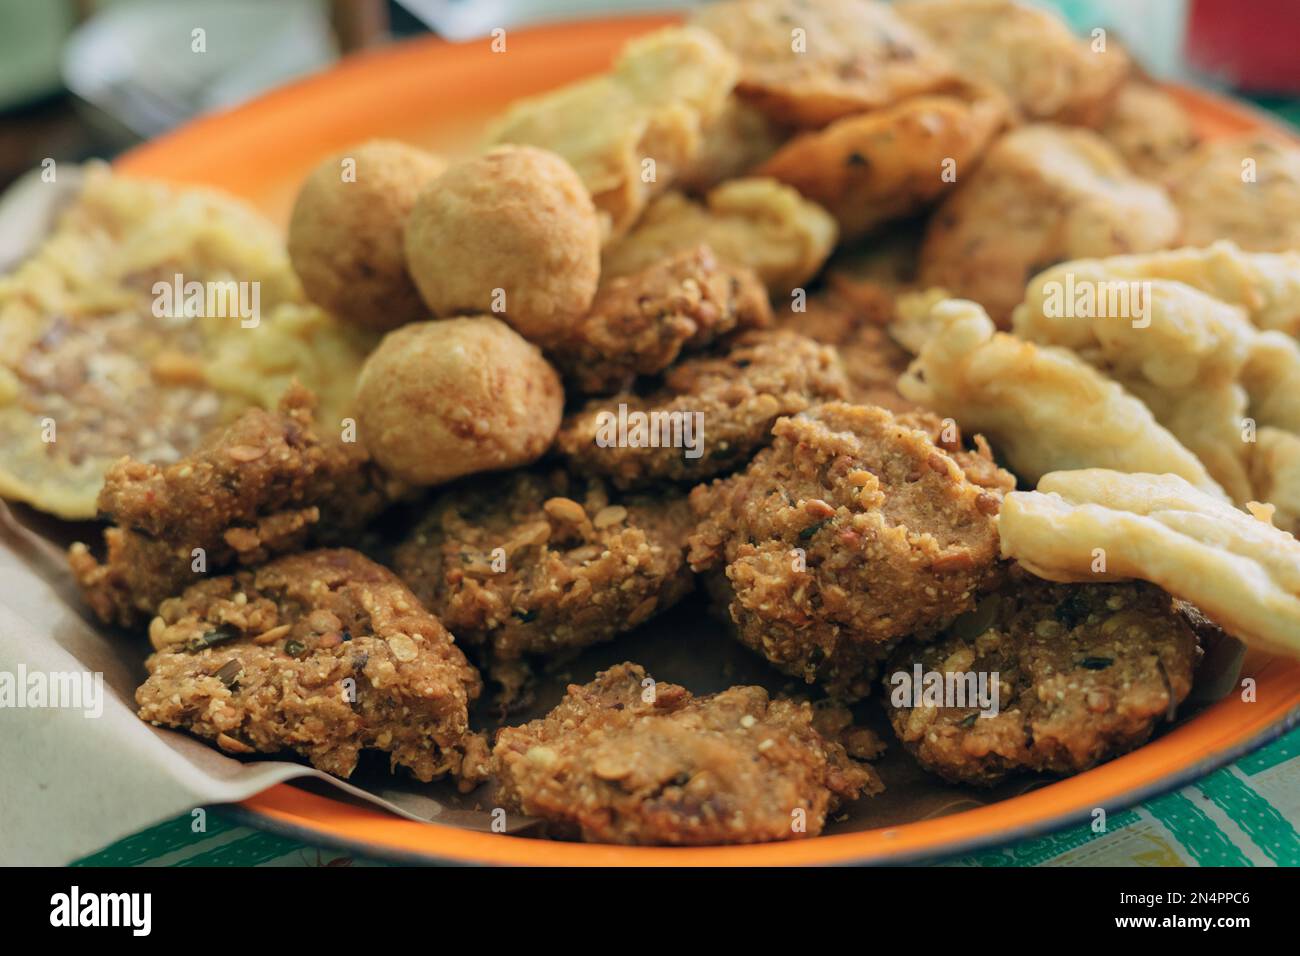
(324, 653)
(542, 564)
(641, 323)
(1085, 672)
(851, 532)
(729, 400)
(1245, 190)
(266, 485)
(626, 760)
(810, 63)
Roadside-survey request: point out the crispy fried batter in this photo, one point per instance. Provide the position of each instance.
(325, 653)
(737, 140)
(640, 324)
(1245, 189)
(1085, 672)
(626, 760)
(267, 484)
(734, 397)
(809, 63)
(852, 531)
(1149, 128)
(542, 564)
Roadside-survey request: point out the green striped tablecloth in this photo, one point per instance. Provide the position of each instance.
(1241, 815)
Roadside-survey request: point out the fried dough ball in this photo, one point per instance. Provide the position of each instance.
(1029, 53)
(345, 234)
(512, 229)
(1149, 128)
(1042, 194)
(1085, 672)
(851, 532)
(850, 56)
(437, 400)
(625, 760)
(1246, 190)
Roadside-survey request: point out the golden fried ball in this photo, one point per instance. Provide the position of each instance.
(441, 399)
(345, 234)
(516, 219)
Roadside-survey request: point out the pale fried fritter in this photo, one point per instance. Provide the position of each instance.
(871, 168)
(267, 484)
(736, 141)
(664, 88)
(1246, 190)
(851, 532)
(625, 760)
(1275, 475)
(1149, 128)
(757, 223)
(1043, 408)
(1028, 52)
(324, 653)
(729, 400)
(1041, 194)
(536, 563)
(1084, 673)
(640, 324)
(810, 63)
(1241, 571)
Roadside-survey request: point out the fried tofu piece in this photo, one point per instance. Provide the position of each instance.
(756, 223)
(624, 759)
(871, 168)
(1242, 572)
(709, 416)
(851, 532)
(266, 485)
(1041, 195)
(809, 64)
(641, 324)
(1084, 673)
(1246, 190)
(1149, 128)
(1027, 52)
(542, 564)
(663, 90)
(1042, 407)
(324, 653)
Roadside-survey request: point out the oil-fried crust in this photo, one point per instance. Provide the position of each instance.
(265, 485)
(851, 532)
(1149, 128)
(625, 760)
(1218, 200)
(641, 323)
(324, 653)
(759, 376)
(1085, 672)
(574, 567)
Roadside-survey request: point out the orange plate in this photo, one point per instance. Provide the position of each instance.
(420, 90)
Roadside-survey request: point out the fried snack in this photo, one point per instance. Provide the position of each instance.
(664, 88)
(94, 366)
(1243, 573)
(1246, 190)
(442, 399)
(808, 64)
(267, 484)
(757, 223)
(875, 167)
(1085, 672)
(738, 139)
(851, 532)
(1275, 475)
(1043, 408)
(345, 232)
(709, 416)
(1042, 194)
(324, 653)
(513, 230)
(542, 564)
(1272, 377)
(640, 324)
(625, 760)
(1149, 128)
(1027, 52)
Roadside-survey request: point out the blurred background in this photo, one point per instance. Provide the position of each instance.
(83, 78)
